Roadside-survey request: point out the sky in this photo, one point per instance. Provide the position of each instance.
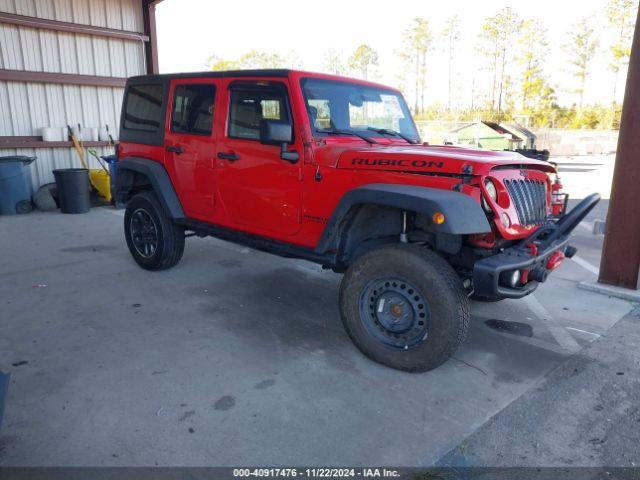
(190, 31)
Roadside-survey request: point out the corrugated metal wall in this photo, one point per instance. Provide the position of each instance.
(27, 107)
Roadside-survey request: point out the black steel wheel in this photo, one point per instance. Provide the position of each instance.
(155, 242)
(405, 307)
(144, 233)
(395, 312)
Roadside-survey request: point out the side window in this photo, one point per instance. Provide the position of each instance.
(250, 104)
(193, 109)
(143, 108)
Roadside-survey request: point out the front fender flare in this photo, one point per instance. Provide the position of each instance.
(463, 214)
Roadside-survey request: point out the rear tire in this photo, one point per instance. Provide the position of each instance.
(404, 307)
(155, 242)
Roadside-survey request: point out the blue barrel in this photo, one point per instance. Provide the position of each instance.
(15, 185)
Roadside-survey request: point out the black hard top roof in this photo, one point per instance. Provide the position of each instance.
(275, 72)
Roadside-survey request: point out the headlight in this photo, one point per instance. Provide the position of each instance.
(506, 221)
(491, 189)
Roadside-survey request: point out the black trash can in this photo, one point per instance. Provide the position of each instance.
(15, 185)
(74, 193)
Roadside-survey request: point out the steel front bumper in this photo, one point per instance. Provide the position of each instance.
(533, 258)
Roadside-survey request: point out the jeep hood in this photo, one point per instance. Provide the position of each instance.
(428, 159)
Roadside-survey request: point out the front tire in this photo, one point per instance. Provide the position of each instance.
(155, 242)
(404, 307)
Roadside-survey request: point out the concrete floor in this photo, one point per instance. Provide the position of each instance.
(585, 413)
(236, 357)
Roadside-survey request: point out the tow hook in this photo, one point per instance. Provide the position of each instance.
(555, 260)
(526, 274)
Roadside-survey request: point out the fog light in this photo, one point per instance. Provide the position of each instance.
(514, 278)
(506, 221)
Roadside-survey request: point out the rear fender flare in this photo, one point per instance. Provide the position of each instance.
(463, 215)
(158, 178)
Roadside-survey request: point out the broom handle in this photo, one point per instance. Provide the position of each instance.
(76, 145)
(80, 153)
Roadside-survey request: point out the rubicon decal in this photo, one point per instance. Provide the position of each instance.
(384, 162)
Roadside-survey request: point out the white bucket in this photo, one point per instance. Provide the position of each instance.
(103, 134)
(91, 134)
(53, 134)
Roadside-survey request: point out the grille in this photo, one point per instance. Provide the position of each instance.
(530, 200)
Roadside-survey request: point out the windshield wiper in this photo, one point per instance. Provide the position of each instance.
(337, 131)
(388, 131)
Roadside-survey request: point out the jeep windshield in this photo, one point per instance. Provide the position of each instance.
(349, 108)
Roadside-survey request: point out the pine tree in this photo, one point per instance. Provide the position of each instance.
(451, 34)
(498, 34)
(417, 42)
(581, 48)
(621, 20)
(362, 59)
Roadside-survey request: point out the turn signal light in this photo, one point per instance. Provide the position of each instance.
(438, 218)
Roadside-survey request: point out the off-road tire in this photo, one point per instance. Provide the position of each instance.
(170, 237)
(437, 283)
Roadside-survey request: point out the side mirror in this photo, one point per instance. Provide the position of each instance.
(278, 132)
(275, 132)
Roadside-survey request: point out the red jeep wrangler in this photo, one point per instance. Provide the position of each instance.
(332, 170)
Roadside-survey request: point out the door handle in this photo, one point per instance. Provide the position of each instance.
(232, 157)
(175, 149)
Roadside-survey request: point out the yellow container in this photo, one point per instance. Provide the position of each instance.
(100, 181)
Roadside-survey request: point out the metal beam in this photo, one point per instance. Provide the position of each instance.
(620, 263)
(151, 47)
(45, 24)
(37, 142)
(60, 78)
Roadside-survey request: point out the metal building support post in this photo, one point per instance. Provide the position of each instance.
(150, 47)
(620, 265)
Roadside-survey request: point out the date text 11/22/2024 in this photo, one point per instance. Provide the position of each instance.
(315, 472)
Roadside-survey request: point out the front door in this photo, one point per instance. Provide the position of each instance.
(190, 145)
(261, 192)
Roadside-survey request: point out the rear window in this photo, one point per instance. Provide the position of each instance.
(143, 108)
(193, 109)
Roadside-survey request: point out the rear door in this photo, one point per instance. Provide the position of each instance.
(261, 192)
(190, 144)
